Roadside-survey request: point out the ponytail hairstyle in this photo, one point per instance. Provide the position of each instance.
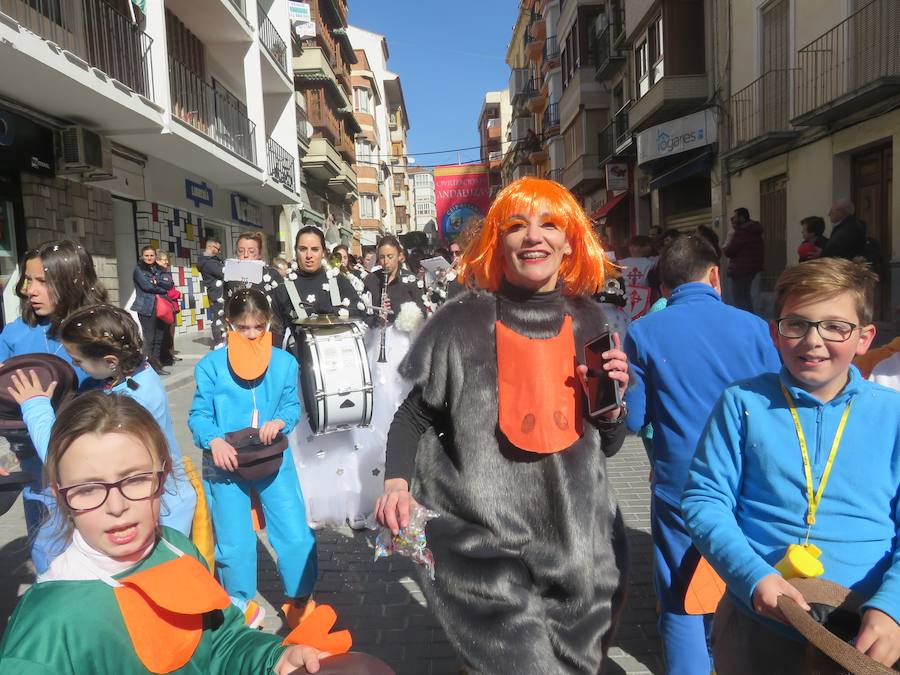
(104, 330)
(71, 278)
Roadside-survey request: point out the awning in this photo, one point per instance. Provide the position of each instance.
(312, 217)
(697, 164)
(610, 204)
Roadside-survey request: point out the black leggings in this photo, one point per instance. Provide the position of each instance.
(152, 329)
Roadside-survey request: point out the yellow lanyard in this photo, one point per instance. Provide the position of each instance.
(811, 499)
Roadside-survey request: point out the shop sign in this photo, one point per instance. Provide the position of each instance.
(301, 19)
(679, 135)
(617, 177)
(244, 211)
(198, 193)
(24, 145)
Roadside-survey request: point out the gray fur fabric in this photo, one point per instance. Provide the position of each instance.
(530, 549)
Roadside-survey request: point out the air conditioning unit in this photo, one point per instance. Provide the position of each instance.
(82, 151)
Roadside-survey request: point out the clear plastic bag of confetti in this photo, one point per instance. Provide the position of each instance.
(410, 541)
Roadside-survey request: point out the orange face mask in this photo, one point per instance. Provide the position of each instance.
(249, 358)
(539, 395)
(163, 609)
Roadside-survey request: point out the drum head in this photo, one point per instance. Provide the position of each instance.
(309, 366)
(324, 320)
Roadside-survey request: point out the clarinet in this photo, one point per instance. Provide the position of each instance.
(382, 353)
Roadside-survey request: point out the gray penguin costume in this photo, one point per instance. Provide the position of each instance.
(529, 549)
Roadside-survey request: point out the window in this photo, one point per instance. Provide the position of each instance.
(422, 179)
(398, 184)
(368, 206)
(648, 57)
(361, 100)
(363, 152)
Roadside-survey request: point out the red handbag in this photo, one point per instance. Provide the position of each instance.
(164, 310)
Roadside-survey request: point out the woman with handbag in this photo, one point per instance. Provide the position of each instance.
(245, 404)
(152, 305)
(167, 349)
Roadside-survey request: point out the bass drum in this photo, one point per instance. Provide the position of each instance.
(335, 377)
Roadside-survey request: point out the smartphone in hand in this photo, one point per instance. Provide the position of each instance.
(603, 393)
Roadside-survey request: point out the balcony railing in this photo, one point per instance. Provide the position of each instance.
(93, 30)
(302, 121)
(551, 49)
(762, 108)
(856, 56)
(621, 131)
(555, 174)
(281, 164)
(551, 117)
(606, 55)
(271, 40)
(518, 79)
(606, 146)
(213, 113)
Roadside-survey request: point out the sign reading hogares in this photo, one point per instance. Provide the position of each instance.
(462, 193)
(675, 136)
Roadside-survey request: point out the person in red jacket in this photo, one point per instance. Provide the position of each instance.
(744, 250)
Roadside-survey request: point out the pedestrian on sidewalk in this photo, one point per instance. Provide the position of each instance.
(745, 250)
(127, 596)
(104, 341)
(57, 279)
(212, 272)
(848, 236)
(250, 386)
(682, 359)
(529, 548)
(167, 349)
(151, 286)
(797, 474)
(812, 232)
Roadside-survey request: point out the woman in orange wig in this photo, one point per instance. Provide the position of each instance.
(495, 436)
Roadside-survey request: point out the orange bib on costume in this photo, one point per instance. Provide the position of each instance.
(163, 609)
(538, 390)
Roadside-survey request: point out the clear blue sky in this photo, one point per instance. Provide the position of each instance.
(447, 54)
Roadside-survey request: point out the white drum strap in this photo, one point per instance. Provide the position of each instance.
(291, 288)
(336, 300)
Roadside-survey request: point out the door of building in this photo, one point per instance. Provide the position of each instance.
(871, 193)
(773, 216)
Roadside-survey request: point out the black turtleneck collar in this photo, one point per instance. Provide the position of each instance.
(531, 313)
(303, 273)
(523, 295)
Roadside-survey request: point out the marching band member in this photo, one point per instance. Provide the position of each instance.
(402, 285)
(529, 548)
(251, 384)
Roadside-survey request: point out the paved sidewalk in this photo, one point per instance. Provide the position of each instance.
(379, 601)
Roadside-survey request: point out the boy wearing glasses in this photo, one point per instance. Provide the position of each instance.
(808, 458)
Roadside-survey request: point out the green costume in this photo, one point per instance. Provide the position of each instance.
(76, 627)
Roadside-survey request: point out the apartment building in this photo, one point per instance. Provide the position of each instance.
(492, 120)
(424, 210)
(322, 77)
(814, 114)
(521, 130)
(148, 123)
(398, 123)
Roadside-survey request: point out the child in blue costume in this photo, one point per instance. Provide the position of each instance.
(127, 596)
(104, 341)
(809, 455)
(56, 279)
(250, 383)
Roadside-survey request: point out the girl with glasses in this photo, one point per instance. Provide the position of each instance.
(128, 596)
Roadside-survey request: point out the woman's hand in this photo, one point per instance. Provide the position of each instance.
(393, 507)
(615, 363)
(299, 656)
(879, 637)
(269, 430)
(386, 310)
(24, 389)
(223, 453)
(766, 594)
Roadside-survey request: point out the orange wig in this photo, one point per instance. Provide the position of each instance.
(582, 271)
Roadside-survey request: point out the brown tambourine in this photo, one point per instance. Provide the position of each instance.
(841, 606)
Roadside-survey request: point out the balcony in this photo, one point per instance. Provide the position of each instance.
(302, 127)
(555, 175)
(607, 57)
(535, 34)
(853, 66)
(519, 80)
(312, 64)
(93, 31)
(281, 164)
(493, 128)
(670, 97)
(522, 131)
(622, 132)
(271, 40)
(344, 182)
(213, 113)
(537, 98)
(551, 53)
(760, 115)
(322, 161)
(550, 125)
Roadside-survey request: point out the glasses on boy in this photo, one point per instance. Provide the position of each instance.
(135, 488)
(832, 330)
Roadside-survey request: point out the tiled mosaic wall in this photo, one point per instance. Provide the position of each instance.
(178, 232)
